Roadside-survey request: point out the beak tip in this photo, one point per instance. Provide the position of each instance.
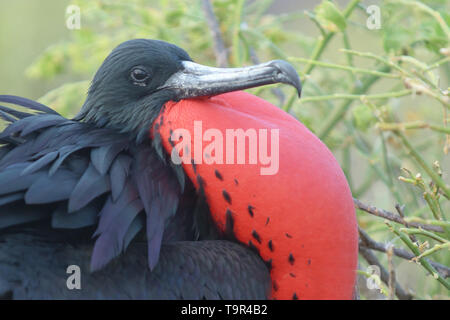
(296, 83)
(290, 74)
(299, 88)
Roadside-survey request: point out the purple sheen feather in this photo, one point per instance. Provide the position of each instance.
(110, 242)
(118, 175)
(102, 157)
(111, 209)
(90, 186)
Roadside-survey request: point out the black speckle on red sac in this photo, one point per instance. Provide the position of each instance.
(275, 285)
(218, 175)
(236, 182)
(226, 196)
(295, 297)
(291, 259)
(229, 224)
(256, 236)
(270, 245)
(250, 210)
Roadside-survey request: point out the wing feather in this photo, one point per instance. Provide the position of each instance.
(91, 185)
(152, 176)
(48, 189)
(77, 175)
(103, 156)
(27, 103)
(40, 163)
(118, 175)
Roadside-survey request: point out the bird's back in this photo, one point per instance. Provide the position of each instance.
(62, 180)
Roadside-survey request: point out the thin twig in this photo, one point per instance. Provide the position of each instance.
(368, 242)
(436, 247)
(412, 231)
(345, 68)
(384, 275)
(433, 175)
(416, 251)
(393, 217)
(402, 216)
(392, 126)
(351, 96)
(392, 281)
(219, 46)
(333, 119)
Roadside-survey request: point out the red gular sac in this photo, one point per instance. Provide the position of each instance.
(296, 211)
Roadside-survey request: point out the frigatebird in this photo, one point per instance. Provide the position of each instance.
(106, 192)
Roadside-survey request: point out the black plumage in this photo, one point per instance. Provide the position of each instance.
(51, 174)
(180, 273)
(119, 189)
(98, 190)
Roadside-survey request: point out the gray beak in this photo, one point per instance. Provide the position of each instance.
(196, 80)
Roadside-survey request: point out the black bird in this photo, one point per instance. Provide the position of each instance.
(98, 191)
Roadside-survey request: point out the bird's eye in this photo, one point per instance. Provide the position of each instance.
(139, 76)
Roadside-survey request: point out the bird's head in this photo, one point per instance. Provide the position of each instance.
(141, 75)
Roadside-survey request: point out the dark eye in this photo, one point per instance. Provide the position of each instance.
(139, 76)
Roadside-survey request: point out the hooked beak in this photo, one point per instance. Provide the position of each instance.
(196, 80)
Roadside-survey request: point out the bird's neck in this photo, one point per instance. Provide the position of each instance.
(133, 118)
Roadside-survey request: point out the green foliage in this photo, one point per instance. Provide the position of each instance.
(330, 17)
(66, 99)
(378, 98)
(414, 27)
(363, 117)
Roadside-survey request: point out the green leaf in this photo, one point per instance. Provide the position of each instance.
(330, 17)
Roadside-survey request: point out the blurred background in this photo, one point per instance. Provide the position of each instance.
(28, 28)
(376, 77)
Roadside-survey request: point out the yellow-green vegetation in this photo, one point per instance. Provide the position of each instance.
(378, 98)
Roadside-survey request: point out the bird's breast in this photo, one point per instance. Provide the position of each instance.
(272, 185)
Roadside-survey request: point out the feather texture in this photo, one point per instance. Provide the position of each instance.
(91, 185)
(27, 103)
(159, 191)
(78, 175)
